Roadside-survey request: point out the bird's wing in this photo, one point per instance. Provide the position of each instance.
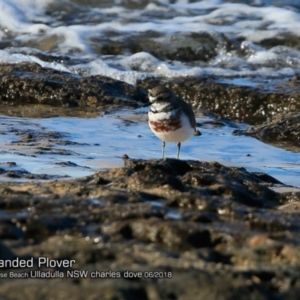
(187, 109)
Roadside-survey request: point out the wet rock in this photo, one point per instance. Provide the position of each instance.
(54, 93)
(188, 47)
(282, 131)
(151, 177)
(27, 83)
(283, 38)
(6, 253)
(200, 46)
(172, 234)
(36, 141)
(251, 104)
(196, 224)
(70, 164)
(209, 178)
(12, 170)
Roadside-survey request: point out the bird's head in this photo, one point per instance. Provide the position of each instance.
(160, 94)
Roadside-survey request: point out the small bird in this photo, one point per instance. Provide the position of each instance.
(170, 118)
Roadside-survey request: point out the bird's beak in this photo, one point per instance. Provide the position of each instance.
(148, 103)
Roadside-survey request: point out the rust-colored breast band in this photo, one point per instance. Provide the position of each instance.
(166, 125)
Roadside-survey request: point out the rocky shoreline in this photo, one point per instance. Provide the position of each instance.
(216, 231)
(29, 90)
(194, 230)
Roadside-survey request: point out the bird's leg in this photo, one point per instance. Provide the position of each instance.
(178, 149)
(163, 149)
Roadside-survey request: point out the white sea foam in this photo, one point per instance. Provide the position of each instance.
(28, 21)
(99, 67)
(262, 57)
(6, 57)
(18, 15)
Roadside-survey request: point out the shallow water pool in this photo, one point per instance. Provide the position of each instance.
(77, 147)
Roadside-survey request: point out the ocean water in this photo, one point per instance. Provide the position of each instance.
(119, 38)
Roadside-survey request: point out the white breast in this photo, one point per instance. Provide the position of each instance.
(179, 135)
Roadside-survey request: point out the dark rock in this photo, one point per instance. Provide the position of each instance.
(250, 104)
(172, 234)
(282, 131)
(204, 229)
(6, 253)
(59, 93)
(27, 83)
(195, 46)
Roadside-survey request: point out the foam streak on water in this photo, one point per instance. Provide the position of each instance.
(78, 29)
